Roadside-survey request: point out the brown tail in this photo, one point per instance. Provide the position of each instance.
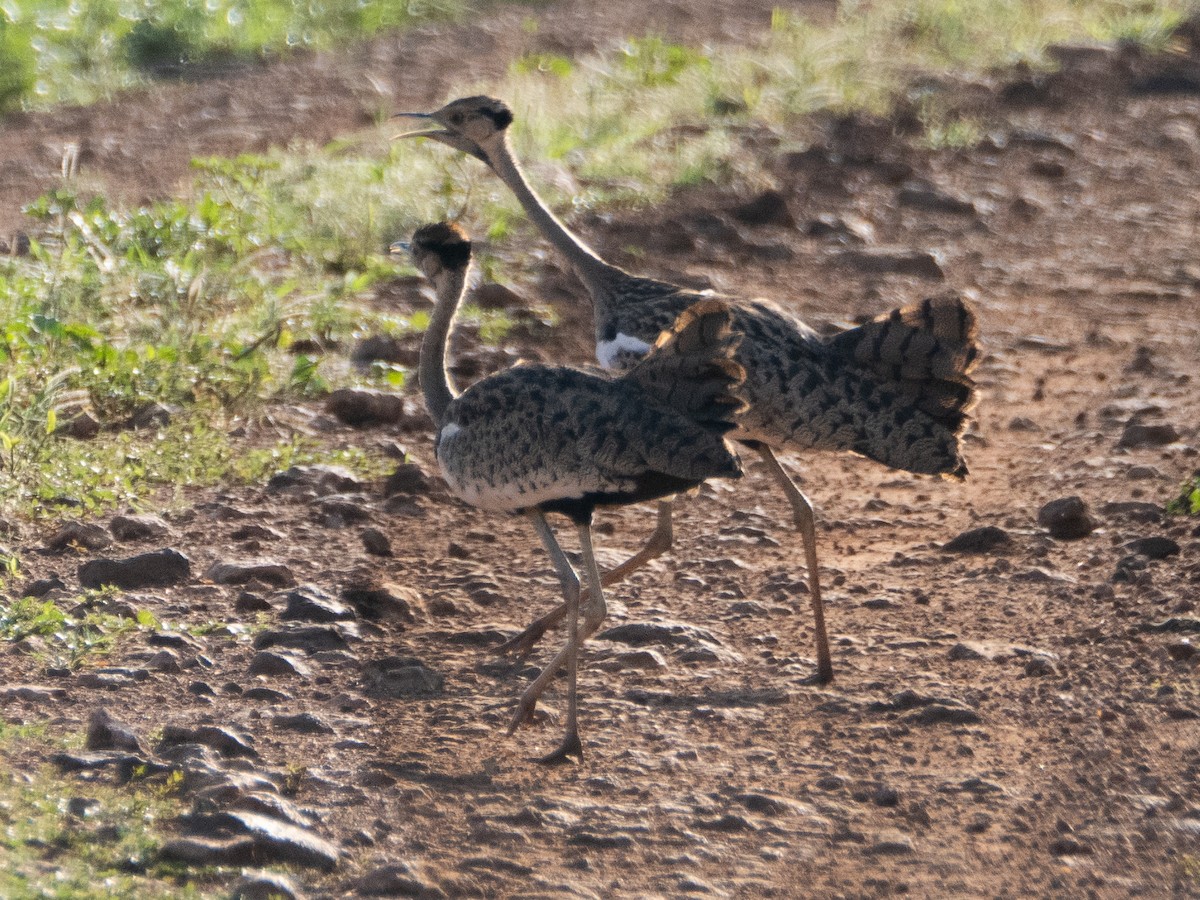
(917, 361)
(929, 347)
(692, 369)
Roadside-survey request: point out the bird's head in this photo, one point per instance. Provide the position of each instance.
(437, 249)
(470, 124)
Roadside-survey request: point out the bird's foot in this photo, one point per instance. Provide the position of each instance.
(570, 746)
(823, 675)
(524, 714)
(522, 645)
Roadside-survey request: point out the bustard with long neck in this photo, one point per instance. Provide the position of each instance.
(538, 439)
(896, 390)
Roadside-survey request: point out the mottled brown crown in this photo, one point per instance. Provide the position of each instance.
(445, 240)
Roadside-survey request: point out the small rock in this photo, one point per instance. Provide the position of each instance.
(896, 846)
(892, 260)
(968, 651)
(317, 480)
(923, 196)
(273, 839)
(375, 542)
(83, 427)
(361, 408)
(386, 602)
(201, 851)
(264, 886)
(265, 571)
(397, 880)
(153, 415)
(985, 539)
(250, 602)
(940, 713)
(305, 723)
(138, 528)
(768, 208)
(1068, 846)
(1154, 547)
(670, 633)
(224, 740)
(338, 511)
(1039, 667)
(44, 586)
(161, 568)
(32, 693)
(1180, 651)
(78, 535)
(386, 348)
(309, 603)
(269, 663)
(1138, 435)
(490, 295)
(253, 531)
(407, 480)
(401, 677)
(730, 822)
(1066, 519)
(106, 733)
(309, 638)
(637, 660)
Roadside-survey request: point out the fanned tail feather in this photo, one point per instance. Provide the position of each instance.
(691, 367)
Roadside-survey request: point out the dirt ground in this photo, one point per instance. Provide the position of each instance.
(1020, 720)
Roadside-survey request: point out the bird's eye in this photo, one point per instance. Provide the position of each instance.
(456, 118)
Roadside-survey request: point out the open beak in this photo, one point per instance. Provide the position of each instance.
(441, 135)
(400, 247)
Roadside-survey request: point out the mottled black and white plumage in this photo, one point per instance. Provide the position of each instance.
(896, 390)
(541, 439)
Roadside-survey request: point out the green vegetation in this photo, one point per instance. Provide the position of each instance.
(89, 626)
(1188, 501)
(170, 325)
(54, 51)
(93, 841)
(183, 316)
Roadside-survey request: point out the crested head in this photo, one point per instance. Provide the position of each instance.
(440, 246)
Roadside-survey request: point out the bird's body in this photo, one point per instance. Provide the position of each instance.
(896, 389)
(565, 440)
(893, 390)
(540, 439)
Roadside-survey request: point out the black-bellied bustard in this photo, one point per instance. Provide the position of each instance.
(539, 439)
(896, 389)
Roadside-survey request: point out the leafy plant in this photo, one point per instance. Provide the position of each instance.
(1188, 501)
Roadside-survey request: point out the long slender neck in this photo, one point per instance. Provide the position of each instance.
(435, 380)
(597, 275)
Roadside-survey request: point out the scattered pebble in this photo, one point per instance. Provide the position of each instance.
(160, 568)
(1138, 435)
(1067, 518)
(985, 539)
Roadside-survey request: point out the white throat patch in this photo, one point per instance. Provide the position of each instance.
(608, 352)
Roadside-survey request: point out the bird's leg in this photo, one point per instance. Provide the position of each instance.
(594, 615)
(805, 522)
(570, 588)
(658, 544)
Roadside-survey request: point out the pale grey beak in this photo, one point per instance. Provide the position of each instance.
(449, 138)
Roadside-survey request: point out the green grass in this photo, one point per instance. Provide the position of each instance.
(75, 632)
(195, 303)
(1188, 501)
(55, 51)
(49, 850)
